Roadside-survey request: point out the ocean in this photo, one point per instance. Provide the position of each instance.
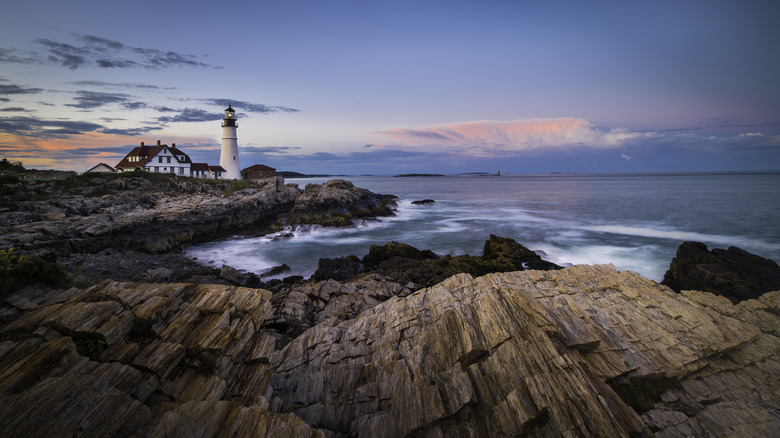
(634, 221)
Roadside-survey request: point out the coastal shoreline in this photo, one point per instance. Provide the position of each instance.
(402, 341)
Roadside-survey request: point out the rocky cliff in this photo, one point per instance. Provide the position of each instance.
(582, 351)
(157, 213)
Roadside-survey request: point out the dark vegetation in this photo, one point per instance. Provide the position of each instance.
(18, 271)
(44, 185)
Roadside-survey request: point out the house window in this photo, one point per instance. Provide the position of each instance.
(156, 169)
(159, 159)
(168, 160)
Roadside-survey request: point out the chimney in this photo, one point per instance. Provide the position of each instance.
(173, 145)
(158, 142)
(142, 143)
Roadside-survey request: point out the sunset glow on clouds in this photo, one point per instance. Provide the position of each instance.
(497, 138)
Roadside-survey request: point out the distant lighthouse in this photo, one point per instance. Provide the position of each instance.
(229, 157)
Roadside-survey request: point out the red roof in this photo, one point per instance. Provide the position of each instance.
(203, 167)
(217, 169)
(258, 167)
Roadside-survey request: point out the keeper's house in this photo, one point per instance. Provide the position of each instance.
(162, 158)
(258, 171)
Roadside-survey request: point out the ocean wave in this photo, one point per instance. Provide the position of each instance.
(241, 254)
(624, 258)
(679, 235)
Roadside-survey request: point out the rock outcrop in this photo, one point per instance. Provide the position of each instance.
(733, 273)
(123, 359)
(130, 213)
(336, 203)
(582, 351)
(402, 263)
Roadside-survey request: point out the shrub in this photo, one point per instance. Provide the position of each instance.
(235, 186)
(17, 271)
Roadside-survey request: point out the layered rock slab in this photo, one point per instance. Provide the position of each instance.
(583, 351)
(133, 359)
(537, 353)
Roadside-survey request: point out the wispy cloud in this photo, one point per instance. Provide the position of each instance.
(250, 107)
(122, 85)
(11, 89)
(488, 139)
(45, 129)
(95, 51)
(88, 100)
(191, 115)
(496, 138)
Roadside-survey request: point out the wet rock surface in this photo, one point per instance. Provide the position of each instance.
(402, 263)
(733, 273)
(581, 351)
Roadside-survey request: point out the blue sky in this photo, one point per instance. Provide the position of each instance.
(356, 87)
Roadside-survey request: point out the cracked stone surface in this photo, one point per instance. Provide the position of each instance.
(583, 351)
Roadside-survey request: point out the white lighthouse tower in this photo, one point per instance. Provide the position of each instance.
(229, 157)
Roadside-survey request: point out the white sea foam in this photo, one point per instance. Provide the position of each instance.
(681, 236)
(589, 221)
(624, 258)
(241, 254)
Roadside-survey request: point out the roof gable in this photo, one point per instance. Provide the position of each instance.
(141, 155)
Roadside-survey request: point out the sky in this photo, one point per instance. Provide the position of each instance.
(370, 87)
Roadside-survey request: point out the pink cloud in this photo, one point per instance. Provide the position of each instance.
(494, 138)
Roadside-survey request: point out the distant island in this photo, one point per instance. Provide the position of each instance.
(408, 175)
(290, 174)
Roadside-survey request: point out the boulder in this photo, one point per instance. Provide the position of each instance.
(733, 273)
(338, 269)
(404, 264)
(394, 250)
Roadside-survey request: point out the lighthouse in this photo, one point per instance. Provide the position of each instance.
(229, 157)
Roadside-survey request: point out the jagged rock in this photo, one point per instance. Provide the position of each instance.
(237, 277)
(528, 353)
(276, 270)
(191, 363)
(508, 255)
(582, 351)
(736, 274)
(338, 269)
(424, 202)
(404, 263)
(306, 304)
(388, 252)
(158, 275)
(336, 203)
